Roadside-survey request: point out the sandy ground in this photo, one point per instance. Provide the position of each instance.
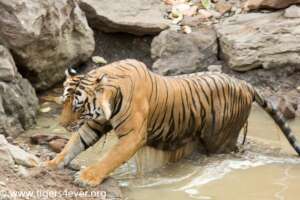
(43, 184)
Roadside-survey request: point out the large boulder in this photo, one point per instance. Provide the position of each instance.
(269, 4)
(45, 37)
(139, 17)
(178, 53)
(18, 101)
(14, 154)
(255, 40)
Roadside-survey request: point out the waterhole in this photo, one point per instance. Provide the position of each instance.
(265, 168)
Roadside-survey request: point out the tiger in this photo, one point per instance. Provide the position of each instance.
(143, 108)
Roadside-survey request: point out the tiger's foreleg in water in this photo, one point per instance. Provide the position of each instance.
(132, 138)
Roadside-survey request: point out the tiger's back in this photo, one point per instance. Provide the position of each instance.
(210, 108)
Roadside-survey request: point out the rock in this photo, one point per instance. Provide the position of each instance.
(193, 21)
(288, 111)
(179, 53)
(18, 101)
(206, 4)
(22, 171)
(10, 139)
(298, 88)
(186, 29)
(57, 145)
(176, 16)
(215, 68)
(292, 12)
(40, 139)
(205, 14)
(2, 183)
(269, 4)
(215, 14)
(139, 17)
(99, 60)
(191, 11)
(249, 41)
(5, 156)
(45, 109)
(285, 106)
(19, 156)
(182, 7)
(45, 37)
(8, 70)
(223, 7)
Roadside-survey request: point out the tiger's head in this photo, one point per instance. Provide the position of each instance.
(87, 97)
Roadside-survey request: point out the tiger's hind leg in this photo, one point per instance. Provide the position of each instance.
(149, 158)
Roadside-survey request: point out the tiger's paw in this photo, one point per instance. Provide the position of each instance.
(88, 177)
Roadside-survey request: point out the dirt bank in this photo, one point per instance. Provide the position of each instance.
(43, 184)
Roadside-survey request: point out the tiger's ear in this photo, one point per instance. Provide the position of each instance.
(70, 72)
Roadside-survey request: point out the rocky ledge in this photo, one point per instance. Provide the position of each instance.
(141, 17)
(256, 40)
(18, 100)
(45, 37)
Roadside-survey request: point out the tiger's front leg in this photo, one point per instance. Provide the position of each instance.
(126, 147)
(85, 137)
(70, 151)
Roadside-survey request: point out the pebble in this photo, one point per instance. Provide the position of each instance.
(186, 29)
(205, 13)
(39, 139)
(99, 60)
(223, 7)
(215, 68)
(176, 16)
(174, 27)
(22, 171)
(10, 139)
(2, 184)
(46, 109)
(57, 145)
(292, 12)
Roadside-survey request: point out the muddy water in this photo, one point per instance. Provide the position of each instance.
(265, 168)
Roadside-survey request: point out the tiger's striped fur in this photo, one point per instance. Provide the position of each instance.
(166, 113)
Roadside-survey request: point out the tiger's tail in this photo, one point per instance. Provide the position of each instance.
(279, 120)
